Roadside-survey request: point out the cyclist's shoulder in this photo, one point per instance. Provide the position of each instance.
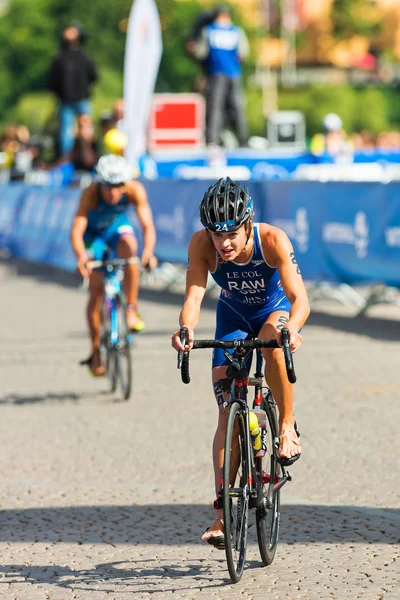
(200, 247)
(271, 236)
(135, 192)
(89, 197)
(274, 242)
(199, 241)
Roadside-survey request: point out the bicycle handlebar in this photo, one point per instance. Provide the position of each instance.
(183, 358)
(288, 355)
(232, 344)
(113, 262)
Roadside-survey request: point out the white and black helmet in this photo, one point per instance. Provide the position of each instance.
(226, 206)
(113, 170)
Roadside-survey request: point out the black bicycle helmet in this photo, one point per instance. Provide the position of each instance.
(225, 206)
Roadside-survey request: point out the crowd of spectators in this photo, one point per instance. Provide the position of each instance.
(216, 43)
(21, 153)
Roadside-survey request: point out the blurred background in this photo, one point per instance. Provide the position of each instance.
(320, 57)
(316, 86)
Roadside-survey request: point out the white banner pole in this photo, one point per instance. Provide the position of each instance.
(142, 59)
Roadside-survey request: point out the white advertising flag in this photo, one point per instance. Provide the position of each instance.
(142, 59)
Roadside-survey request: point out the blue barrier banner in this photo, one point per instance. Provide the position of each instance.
(175, 207)
(296, 207)
(266, 164)
(41, 224)
(9, 201)
(341, 232)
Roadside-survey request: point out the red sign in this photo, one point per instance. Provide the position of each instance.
(176, 121)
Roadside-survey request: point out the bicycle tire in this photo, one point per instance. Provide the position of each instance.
(235, 499)
(123, 358)
(268, 519)
(112, 369)
(106, 351)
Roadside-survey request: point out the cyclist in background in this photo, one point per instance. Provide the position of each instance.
(102, 222)
(262, 292)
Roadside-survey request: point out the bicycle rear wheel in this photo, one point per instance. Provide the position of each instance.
(235, 493)
(123, 357)
(267, 519)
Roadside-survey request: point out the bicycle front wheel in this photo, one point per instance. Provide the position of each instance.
(268, 470)
(235, 493)
(107, 352)
(123, 357)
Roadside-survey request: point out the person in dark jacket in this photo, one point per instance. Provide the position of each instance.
(71, 75)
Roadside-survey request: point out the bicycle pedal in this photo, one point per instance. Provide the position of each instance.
(266, 477)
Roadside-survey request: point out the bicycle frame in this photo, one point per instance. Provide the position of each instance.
(116, 339)
(113, 277)
(254, 475)
(112, 288)
(238, 393)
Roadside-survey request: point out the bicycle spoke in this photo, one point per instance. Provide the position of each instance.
(235, 495)
(267, 519)
(124, 363)
(106, 348)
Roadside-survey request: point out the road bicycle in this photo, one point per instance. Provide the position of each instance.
(116, 338)
(250, 479)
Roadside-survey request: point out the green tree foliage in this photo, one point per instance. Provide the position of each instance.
(359, 109)
(354, 17)
(30, 33)
(178, 71)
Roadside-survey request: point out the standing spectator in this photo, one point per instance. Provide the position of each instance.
(119, 113)
(223, 45)
(84, 154)
(204, 19)
(71, 75)
(333, 139)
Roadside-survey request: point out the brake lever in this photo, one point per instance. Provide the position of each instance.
(183, 333)
(288, 355)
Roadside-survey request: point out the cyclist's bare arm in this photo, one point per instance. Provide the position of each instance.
(280, 254)
(137, 196)
(196, 281)
(79, 224)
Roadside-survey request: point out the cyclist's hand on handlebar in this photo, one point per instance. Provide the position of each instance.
(176, 340)
(295, 338)
(83, 268)
(149, 261)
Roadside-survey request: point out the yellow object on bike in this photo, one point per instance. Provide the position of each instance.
(254, 431)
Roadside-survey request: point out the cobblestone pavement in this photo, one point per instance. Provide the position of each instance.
(106, 500)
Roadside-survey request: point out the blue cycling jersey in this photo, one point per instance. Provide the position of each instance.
(107, 224)
(250, 284)
(250, 293)
(104, 215)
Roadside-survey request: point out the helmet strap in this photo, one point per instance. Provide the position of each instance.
(249, 228)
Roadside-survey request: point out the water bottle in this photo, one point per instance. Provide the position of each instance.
(255, 431)
(262, 426)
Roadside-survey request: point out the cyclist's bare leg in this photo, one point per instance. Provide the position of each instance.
(93, 313)
(127, 248)
(282, 390)
(217, 528)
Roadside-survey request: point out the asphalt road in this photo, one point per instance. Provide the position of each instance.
(105, 499)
